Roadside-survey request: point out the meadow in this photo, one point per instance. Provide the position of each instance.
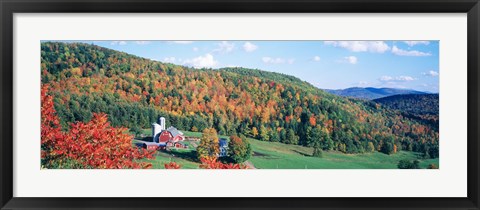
(275, 155)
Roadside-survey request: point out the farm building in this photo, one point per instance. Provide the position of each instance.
(164, 138)
(223, 144)
(171, 138)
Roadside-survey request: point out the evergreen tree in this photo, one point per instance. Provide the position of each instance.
(291, 138)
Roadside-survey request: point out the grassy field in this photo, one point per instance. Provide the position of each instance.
(181, 157)
(184, 157)
(273, 155)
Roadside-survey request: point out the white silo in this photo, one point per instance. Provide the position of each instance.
(156, 129)
(162, 122)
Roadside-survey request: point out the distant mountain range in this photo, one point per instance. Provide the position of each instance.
(371, 93)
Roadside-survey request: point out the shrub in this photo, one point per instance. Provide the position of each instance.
(407, 164)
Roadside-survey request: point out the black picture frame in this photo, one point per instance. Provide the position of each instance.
(10, 7)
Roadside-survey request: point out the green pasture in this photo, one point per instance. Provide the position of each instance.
(274, 155)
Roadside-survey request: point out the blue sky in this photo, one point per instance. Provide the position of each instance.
(325, 64)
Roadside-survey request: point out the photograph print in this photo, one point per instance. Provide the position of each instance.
(243, 104)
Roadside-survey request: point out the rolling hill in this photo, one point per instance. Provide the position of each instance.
(268, 106)
(371, 93)
(412, 103)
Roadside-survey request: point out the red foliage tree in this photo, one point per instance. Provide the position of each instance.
(51, 135)
(213, 163)
(312, 121)
(172, 165)
(94, 144)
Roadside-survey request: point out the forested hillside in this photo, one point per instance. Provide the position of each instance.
(371, 93)
(134, 91)
(412, 103)
(422, 107)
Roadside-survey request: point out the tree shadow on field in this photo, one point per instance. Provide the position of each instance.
(262, 155)
(148, 139)
(187, 155)
(302, 153)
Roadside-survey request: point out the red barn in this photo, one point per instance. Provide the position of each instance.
(164, 138)
(171, 135)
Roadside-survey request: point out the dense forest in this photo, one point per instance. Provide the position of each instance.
(269, 106)
(412, 103)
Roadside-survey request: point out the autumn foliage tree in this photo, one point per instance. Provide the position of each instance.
(254, 132)
(51, 135)
(208, 146)
(213, 163)
(239, 149)
(370, 147)
(172, 165)
(94, 144)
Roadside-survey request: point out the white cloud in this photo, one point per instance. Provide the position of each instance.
(396, 79)
(270, 60)
(398, 51)
(430, 73)
(169, 60)
(363, 84)
(273, 60)
(206, 61)
(351, 59)
(386, 78)
(361, 46)
(142, 42)
(224, 47)
(413, 43)
(316, 58)
(181, 42)
(405, 78)
(118, 43)
(249, 47)
(195, 49)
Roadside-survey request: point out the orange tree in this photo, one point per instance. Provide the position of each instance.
(208, 146)
(213, 163)
(94, 144)
(172, 165)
